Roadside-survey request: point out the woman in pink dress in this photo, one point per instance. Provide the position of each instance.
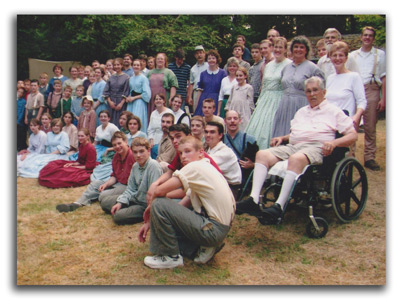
(162, 81)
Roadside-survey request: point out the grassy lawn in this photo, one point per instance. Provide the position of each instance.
(85, 247)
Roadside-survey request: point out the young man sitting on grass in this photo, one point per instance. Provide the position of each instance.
(108, 191)
(207, 225)
(130, 205)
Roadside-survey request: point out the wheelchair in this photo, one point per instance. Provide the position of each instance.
(340, 183)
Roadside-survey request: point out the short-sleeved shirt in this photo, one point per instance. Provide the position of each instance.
(208, 189)
(176, 163)
(365, 62)
(122, 167)
(182, 73)
(319, 124)
(195, 72)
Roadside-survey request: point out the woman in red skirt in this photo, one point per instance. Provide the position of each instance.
(65, 173)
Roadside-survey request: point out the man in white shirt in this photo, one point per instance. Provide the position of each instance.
(332, 35)
(223, 155)
(372, 68)
(200, 66)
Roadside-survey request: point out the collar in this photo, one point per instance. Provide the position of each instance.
(212, 72)
(236, 135)
(217, 147)
(145, 165)
(321, 105)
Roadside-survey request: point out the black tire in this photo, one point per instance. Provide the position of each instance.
(349, 189)
(313, 233)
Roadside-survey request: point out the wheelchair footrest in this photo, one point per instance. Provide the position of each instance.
(265, 219)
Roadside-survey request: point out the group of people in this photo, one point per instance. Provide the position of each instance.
(168, 144)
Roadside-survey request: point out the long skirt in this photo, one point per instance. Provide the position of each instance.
(54, 175)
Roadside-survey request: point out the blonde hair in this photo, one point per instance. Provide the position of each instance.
(339, 46)
(196, 143)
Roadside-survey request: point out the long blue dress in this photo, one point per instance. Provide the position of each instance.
(33, 163)
(210, 83)
(139, 85)
(97, 94)
(117, 86)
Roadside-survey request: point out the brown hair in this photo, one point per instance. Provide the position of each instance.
(140, 142)
(215, 54)
(119, 134)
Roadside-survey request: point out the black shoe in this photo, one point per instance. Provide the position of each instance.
(67, 207)
(247, 206)
(371, 164)
(275, 211)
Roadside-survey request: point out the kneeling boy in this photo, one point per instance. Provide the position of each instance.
(206, 225)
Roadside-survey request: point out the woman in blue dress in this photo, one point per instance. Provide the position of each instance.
(57, 146)
(210, 81)
(116, 91)
(140, 95)
(97, 93)
(293, 76)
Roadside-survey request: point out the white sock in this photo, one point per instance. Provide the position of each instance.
(287, 184)
(259, 176)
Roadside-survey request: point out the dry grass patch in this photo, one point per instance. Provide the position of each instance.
(85, 247)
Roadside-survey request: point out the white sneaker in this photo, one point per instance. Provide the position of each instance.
(163, 261)
(206, 253)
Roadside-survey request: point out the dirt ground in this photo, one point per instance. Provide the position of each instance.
(85, 247)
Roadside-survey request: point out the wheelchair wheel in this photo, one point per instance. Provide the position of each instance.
(322, 230)
(349, 189)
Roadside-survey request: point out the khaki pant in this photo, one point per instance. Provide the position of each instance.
(372, 93)
(171, 222)
(108, 196)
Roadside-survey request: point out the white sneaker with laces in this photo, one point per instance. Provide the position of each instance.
(163, 261)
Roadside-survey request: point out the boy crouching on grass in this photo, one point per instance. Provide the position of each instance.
(206, 225)
(130, 205)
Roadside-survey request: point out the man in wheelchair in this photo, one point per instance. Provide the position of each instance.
(312, 136)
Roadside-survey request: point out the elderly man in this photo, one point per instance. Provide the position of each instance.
(312, 136)
(272, 34)
(332, 35)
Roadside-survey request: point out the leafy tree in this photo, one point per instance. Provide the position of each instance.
(376, 21)
(84, 38)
